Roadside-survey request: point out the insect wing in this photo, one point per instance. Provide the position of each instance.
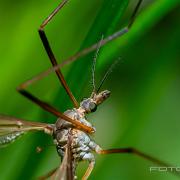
(65, 171)
(11, 128)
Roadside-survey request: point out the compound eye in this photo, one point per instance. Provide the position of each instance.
(92, 106)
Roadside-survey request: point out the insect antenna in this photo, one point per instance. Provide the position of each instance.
(107, 73)
(94, 65)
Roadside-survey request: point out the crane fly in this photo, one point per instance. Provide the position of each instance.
(72, 131)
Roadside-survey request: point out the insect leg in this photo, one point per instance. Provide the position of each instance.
(89, 170)
(51, 54)
(86, 51)
(54, 111)
(140, 154)
(48, 175)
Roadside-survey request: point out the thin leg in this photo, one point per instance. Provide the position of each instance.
(86, 50)
(54, 111)
(48, 175)
(89, 170)
(51, 54)
(140, 154)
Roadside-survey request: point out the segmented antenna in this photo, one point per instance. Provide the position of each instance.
(109, 70)
(94, 64)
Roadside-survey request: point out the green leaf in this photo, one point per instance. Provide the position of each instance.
(142, 87)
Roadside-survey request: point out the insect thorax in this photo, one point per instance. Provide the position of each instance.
(82, 145)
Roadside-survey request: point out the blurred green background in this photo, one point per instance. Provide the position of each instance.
(144, 107)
